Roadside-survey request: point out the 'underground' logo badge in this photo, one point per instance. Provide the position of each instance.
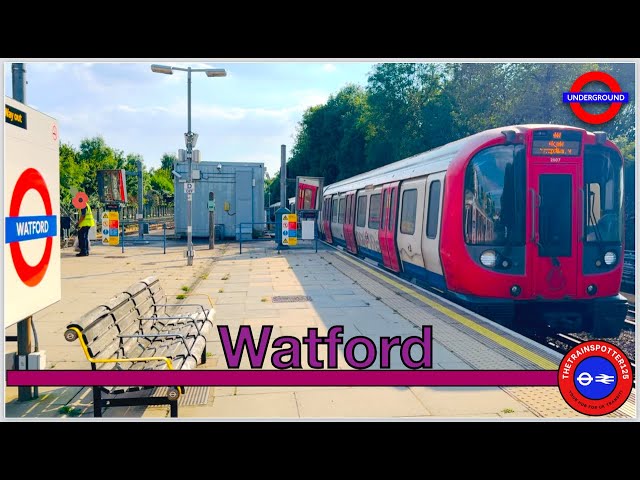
(595, 378)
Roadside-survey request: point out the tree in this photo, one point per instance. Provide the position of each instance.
(168, 161)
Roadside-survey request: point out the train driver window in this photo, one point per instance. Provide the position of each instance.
(334, 210)
(603, 195)
(495, 192)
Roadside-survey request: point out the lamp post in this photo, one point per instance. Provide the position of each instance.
(190, 137)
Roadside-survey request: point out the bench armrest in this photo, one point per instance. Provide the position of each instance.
(73, 333)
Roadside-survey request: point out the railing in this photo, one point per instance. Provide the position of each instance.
(264, 233)
(138, 238)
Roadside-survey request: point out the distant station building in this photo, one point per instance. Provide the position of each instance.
(238, 190)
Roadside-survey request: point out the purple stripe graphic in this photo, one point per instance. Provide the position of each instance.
(275, 378)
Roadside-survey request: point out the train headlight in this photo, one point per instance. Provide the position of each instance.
(592, 289)
(610, 258)
(488, 258)
(515, 290)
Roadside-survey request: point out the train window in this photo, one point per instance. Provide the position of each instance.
(603, 194)
(361, 219)
(408, 216)
(555, 215)
(334, 210)
(385, 199)
(434, 208)
(494, 194)
(374, 211)
(343, 210)
(391, 212)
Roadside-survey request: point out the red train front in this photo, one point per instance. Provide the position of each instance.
(532, 223)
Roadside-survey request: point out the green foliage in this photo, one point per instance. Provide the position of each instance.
(408, 108)
(78, 169)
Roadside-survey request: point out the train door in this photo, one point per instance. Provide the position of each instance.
(306, 197)
(387, 231)
(349, 223)
(326, 219)
(410, 233)
(431, 230)
(554, 208)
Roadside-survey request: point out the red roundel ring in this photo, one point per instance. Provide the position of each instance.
(30, 179)
(595, 118)
(595, 378)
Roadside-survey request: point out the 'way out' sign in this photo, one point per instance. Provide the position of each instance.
(31, 212)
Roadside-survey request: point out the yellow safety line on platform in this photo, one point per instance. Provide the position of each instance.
(508, 344)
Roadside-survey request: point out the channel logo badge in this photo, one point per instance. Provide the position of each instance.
(615, 97)
(595, 378)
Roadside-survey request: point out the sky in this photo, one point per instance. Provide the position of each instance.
(243, 117)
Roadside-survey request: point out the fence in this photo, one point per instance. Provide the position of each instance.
(257, 234)
(629, 268)
(137, 239)
(269, 234)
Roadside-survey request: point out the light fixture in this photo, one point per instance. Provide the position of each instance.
(162, 69)
(216, 72)
(219, 167)
(610, 258)
(488, 258)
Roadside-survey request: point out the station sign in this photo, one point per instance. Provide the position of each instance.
(31, 186)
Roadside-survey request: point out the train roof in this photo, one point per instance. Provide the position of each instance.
(425, 163)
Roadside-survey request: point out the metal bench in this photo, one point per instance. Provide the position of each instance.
(138, 330)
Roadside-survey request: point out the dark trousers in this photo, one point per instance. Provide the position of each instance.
(83, 240)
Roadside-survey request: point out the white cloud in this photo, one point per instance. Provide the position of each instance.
(329, 67)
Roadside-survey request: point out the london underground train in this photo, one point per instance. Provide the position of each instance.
(519, 222)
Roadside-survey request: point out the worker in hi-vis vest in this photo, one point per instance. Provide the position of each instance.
(85, 222)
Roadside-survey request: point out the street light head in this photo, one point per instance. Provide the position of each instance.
(162, 69)
(216, 72)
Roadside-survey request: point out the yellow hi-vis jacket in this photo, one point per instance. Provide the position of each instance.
(88, 218)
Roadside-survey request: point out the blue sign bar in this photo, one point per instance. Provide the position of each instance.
(595, 97)
(20, 229)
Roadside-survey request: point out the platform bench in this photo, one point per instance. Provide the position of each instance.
(137, 329)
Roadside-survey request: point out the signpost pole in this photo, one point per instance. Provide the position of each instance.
(212, 225)
(24, 326)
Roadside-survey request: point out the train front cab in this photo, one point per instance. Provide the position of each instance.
(543, 212)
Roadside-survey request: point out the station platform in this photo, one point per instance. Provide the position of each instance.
(293, 291)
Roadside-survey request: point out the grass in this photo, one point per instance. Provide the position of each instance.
(221, 290)
(71, 411)
(508, 410)
(181, 296)
(184, 288)
(225, 277)
(209, 354)
(264, 299)
(204, 276)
